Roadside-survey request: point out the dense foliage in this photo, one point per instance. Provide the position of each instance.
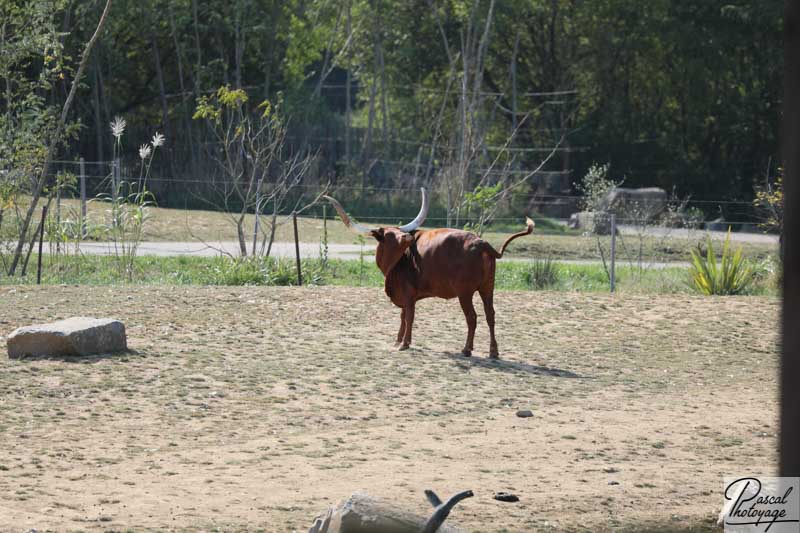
(675, 93)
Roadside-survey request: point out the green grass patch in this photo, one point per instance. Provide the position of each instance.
(188, 270)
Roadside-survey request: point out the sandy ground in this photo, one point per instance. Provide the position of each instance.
(255, 408)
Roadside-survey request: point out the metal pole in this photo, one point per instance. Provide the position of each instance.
(613, 250)
(115, 180)
(41, 238)
(83, 198)
(58, 216)
(257, 213)
(297, 249)
(325, 222)
(115, 193)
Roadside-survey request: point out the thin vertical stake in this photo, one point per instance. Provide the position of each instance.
(325, 222)
(257, 213)
(83, 198)
(115, 192)
(297, 248)
(58, 216)
(115, 180)
(613, 249)
(41, 238)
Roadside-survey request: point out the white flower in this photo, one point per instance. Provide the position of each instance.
(118, 126)
(144, 151)
(158, 140)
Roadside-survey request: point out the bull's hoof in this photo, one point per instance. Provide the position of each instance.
(494, 355)
(403, 347)
(466, 353)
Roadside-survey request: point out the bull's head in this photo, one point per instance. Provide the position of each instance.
(392, 241)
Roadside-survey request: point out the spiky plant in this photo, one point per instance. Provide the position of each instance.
(542, 274)
(733, 275)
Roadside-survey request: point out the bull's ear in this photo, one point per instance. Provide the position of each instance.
(377, 233)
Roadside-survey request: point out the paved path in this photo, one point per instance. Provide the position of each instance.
(286, 250)
(199, 249)
(757, 238)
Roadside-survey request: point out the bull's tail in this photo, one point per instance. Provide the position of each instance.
(528, 231)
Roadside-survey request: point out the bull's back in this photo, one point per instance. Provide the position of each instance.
(452, 262)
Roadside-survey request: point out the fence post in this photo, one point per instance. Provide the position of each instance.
(257, 211)
(613, 250)
(41, 238)
(83, 197)
(297, 248)
(115, 180)
(58, 217)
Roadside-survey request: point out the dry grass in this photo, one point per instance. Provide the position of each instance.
(248, 408)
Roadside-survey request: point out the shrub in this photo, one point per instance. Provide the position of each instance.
(262, 271)
(734, 275)
(542, 274)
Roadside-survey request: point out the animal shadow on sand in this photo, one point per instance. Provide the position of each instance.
(122, 356)
(504, 365)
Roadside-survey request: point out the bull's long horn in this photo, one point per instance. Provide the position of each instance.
(423, 212)
(351, 224)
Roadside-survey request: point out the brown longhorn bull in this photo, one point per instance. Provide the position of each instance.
(442, 263)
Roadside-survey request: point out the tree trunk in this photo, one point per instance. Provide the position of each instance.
(198, 50)
(187, 108)
(241, 236)
(162, 94)
(270, 51)
(8, 77)
(348, 111)
(366, 153)
(98, 114)
(272, 228)
(238, 43)
(54, 141)
(384, 107)
(514, 85)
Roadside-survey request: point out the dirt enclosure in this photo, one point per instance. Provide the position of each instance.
(255, 408)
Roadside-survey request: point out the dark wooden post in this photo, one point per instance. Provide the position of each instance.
(790, 347)
(41, 238)
(297, 249)
(613, 275)
(83, 198)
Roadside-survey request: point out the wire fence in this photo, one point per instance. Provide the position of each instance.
(372, 202)
(633, 250)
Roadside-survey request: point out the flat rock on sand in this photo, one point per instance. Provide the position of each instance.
(73, 336)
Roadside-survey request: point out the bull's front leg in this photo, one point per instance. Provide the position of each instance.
(408, 323)
(402, 327)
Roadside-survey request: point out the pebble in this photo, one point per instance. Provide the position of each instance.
(612, 482)
(524, 413)
(506, 497)
(610, 470)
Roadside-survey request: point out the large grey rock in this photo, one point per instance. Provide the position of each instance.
(632, 205)
(73, 336)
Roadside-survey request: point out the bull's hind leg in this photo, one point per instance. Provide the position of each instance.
(487, 295)
(408, 323)
(402, 327)
(472, 321)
